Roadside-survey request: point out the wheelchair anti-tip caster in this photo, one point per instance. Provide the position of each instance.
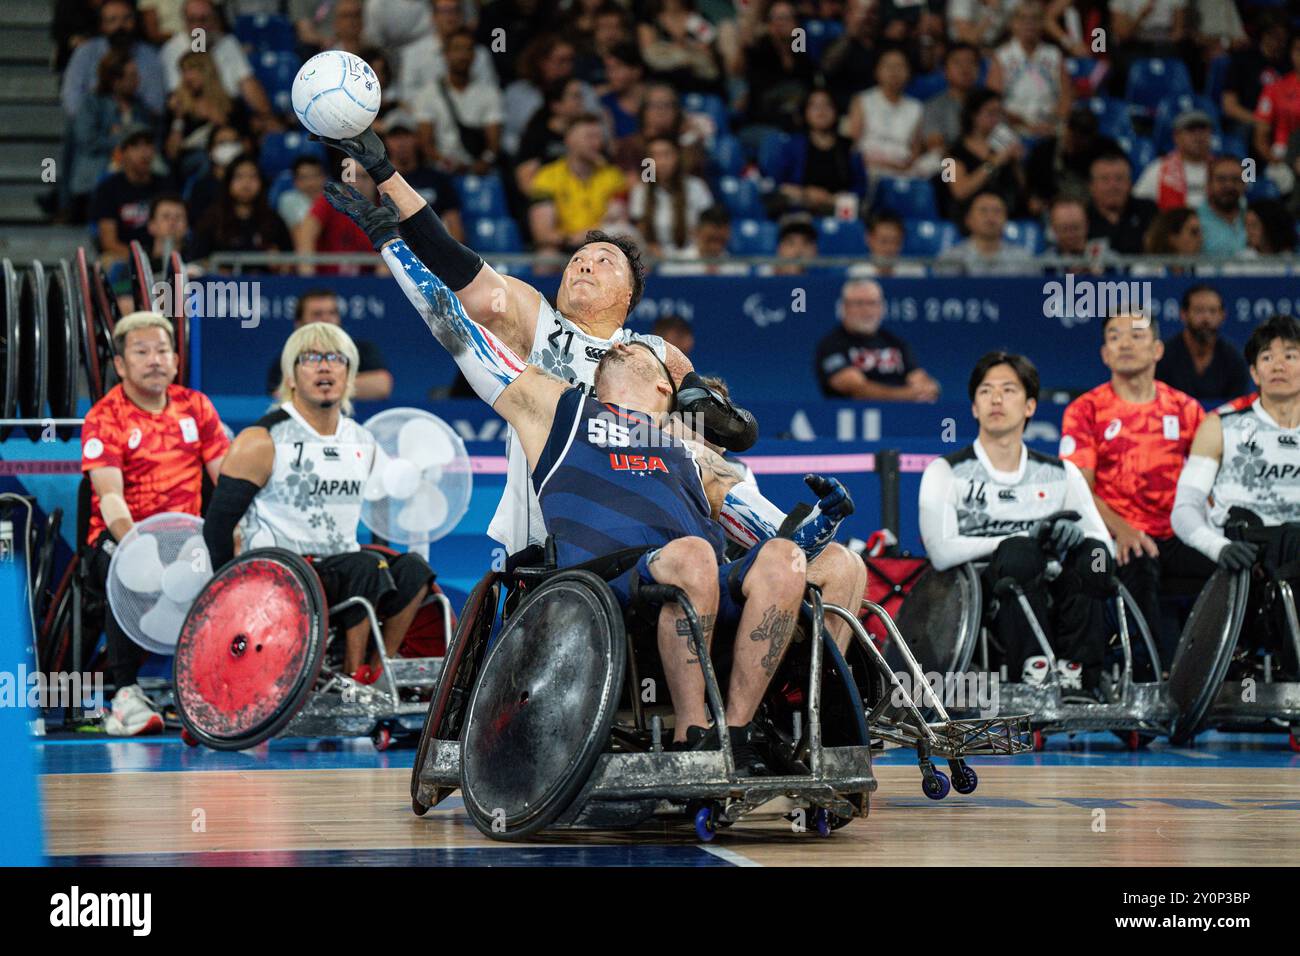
(1040, 741)
(1135, 740)
(934, 783)
(822, 818)
(192, 741)
(382, 738)
(706, 823)
(1295, 740)
(964, 777)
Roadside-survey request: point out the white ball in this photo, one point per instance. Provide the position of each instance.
(336, 95)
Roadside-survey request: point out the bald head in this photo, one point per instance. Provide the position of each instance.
(633, 376)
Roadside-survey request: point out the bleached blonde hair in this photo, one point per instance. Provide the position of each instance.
(322, 337)
(136, 321)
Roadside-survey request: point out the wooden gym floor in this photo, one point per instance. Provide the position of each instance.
(1085, 801)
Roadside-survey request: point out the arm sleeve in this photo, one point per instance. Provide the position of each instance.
(944, 545)
(1078, 497)
(1190, 517)
(425, 236)
(747, 517)
(230, 499)
(488, 364)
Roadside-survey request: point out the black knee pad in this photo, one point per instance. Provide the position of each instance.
(1095, 567)
(1019, 558)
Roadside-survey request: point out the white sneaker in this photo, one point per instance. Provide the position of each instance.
(1035, 670)
(1070, 674)
(132, 715)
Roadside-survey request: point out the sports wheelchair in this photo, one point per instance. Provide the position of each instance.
(541, 718)
(1218, 680)
(943, 619)
(253, 662)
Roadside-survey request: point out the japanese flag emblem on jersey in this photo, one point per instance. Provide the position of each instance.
(1171, 427)
(93, 448)
(189, 430)
(1112, 429)
(133, 442)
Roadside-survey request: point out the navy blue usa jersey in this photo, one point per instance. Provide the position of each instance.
(608, 479)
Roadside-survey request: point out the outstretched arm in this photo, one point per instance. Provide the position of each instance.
(521, 394)
(504, 306)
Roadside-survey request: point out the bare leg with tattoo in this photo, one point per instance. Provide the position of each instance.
(842, 577)
(773, 590)
(690, 564)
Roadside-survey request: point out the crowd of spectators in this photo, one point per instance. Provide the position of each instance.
(981, 134)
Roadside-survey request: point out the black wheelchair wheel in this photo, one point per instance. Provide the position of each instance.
(33, 375)
(64, 346)
(940, 621)
(542, 708)
(11, 344)
(250, 649)
(460, 666)
(1205, 650)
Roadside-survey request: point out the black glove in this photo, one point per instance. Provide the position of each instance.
(1238, 556)
(1057, 534)
(367, 149)
(378, 222)
(832, 497)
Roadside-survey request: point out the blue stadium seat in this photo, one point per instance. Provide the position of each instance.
(711, 106)
(926, 85)
(1112, 116)
(741, 197)
(1169, 110)
(753, 237)
(1079, 67)
(1229, 144)
(1141, 152)
(495, 235)
(279, 150)
(1025, 233)
(265, 31)
(1152, 79)
(928, 237)
(909, 198)
(1262, 188)
(280, 185)
(769, 153)
(728, 155)
(1216, 76)
(821, 33)
(841, 237)
(482, 196)
(275, 70)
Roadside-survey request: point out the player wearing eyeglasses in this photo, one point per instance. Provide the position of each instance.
(294, 480)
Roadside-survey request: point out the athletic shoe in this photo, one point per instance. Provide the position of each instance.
(365, 674)
(1035, 670)
(1070, 674)
(697, 738)
(744, 752)
(132, 714)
